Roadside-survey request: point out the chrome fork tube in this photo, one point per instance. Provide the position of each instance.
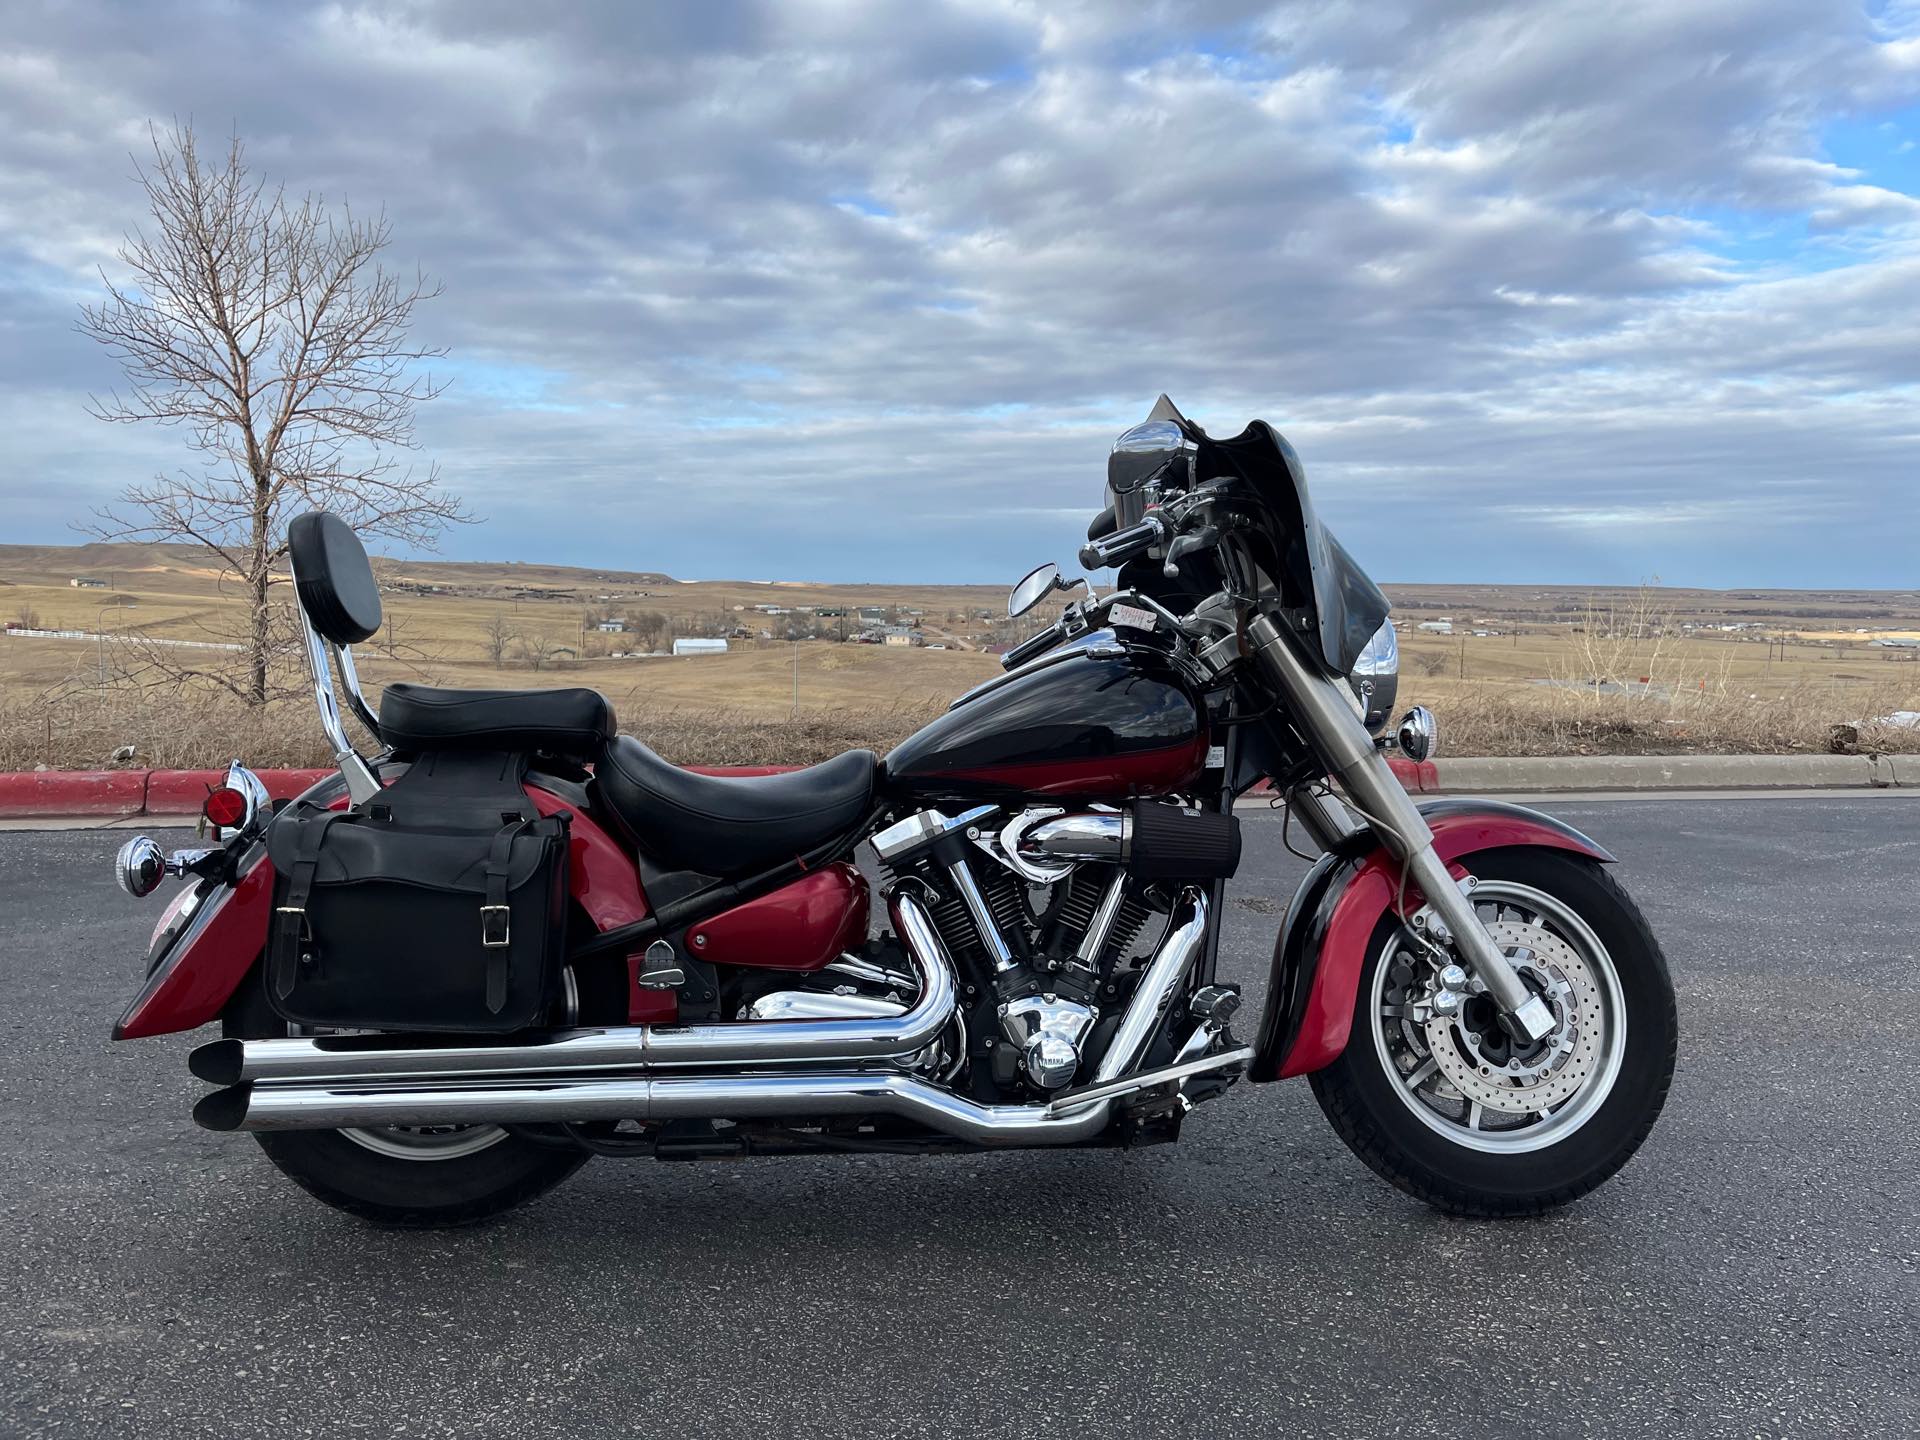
(1320, 705)
(1323, 817)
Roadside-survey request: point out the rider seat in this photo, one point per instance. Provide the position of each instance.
(575, 723)
(729, 825)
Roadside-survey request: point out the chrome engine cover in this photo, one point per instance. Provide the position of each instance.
(1049, 1032)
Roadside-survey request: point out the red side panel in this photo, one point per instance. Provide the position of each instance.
(193, 984)
(605, 880)
(1459, 830)
(798, 927)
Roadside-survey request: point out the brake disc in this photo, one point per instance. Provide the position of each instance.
(1564, 1060)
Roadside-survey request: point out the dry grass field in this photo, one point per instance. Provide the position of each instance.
(1516, 676)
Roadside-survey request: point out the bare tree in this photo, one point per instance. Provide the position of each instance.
(536, 651)
(400, 639)
(647, 626)
(499, 639)
(266, 329)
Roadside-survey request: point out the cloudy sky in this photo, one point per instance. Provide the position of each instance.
(809, 290)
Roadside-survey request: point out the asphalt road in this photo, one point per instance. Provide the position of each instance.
(1752, 1273)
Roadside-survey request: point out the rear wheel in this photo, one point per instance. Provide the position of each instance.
(1437, 1098)
(416, 1177)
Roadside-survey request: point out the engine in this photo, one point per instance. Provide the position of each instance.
(1040, 908)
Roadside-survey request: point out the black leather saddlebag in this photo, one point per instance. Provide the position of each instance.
(438, 905)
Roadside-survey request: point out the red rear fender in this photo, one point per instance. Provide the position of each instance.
(216, 950)
(1323, 942)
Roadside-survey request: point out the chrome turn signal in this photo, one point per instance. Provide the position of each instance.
(140, 866)
(1419, 734)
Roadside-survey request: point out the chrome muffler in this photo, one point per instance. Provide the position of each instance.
(368, 1059)
(469, 1098)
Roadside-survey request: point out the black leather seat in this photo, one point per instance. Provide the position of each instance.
(732, 825)
(575, 723)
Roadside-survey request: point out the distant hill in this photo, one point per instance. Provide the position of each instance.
(122, 563)
(182, 570)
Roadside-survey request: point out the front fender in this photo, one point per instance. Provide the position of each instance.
(1323, 941)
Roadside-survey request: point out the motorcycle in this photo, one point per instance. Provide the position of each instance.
(1482, 1012)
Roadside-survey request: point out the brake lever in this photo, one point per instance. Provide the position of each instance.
(1204, 538)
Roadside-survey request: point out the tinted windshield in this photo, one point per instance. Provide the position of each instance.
(1310, 569)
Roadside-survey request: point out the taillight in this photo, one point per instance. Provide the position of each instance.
(227, 808)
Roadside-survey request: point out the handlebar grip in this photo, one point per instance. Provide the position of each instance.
(1032, 646)
(1122, 545)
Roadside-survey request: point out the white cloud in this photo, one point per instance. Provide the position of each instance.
(863, 289)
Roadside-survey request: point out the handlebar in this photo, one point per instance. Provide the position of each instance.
(1123, 545)
(1033, 645)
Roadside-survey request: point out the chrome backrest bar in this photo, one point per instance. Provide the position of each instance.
(361, 784)
(351, 677)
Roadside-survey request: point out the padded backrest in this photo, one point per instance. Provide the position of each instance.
(334, 578)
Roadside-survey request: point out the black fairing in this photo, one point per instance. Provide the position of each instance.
(1063, 725)
(1312, 570)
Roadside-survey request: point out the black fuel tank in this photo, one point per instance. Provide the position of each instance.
(1100, 722)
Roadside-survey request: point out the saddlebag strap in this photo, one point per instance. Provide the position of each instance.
(496, 915)
(289, 931)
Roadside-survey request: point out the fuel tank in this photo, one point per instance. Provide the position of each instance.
(1099, 721)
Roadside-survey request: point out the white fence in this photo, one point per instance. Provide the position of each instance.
(14, 632)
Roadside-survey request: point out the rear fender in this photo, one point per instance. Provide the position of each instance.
(1323, 941)
(191, 982)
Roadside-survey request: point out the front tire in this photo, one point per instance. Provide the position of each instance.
(1446, 1108)
(431, 1179)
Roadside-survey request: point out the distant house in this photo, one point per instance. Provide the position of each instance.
(612, 627)
(87, 582)
(896, 635)
(1437, 627)
(699, 647)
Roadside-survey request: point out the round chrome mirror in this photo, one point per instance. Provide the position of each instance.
(1035, 587)
(140, 866)
(1419, 735)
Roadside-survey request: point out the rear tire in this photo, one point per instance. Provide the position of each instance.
(381, 1178)
(1424, 1138)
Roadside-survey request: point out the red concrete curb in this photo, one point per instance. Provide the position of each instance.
(35, 793)
(43, 794)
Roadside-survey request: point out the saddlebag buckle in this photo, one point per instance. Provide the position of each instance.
(495, 927)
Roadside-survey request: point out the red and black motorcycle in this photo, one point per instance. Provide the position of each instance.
(514, 939)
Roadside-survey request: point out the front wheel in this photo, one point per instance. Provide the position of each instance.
(1438, 1099)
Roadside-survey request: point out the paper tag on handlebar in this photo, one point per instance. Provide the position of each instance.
(1130, 616)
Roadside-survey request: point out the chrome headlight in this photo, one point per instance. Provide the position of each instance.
(1375, 677)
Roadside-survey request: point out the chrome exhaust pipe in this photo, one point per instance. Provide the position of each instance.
(470, 1100)
(792, 1097)
(370, 1059)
